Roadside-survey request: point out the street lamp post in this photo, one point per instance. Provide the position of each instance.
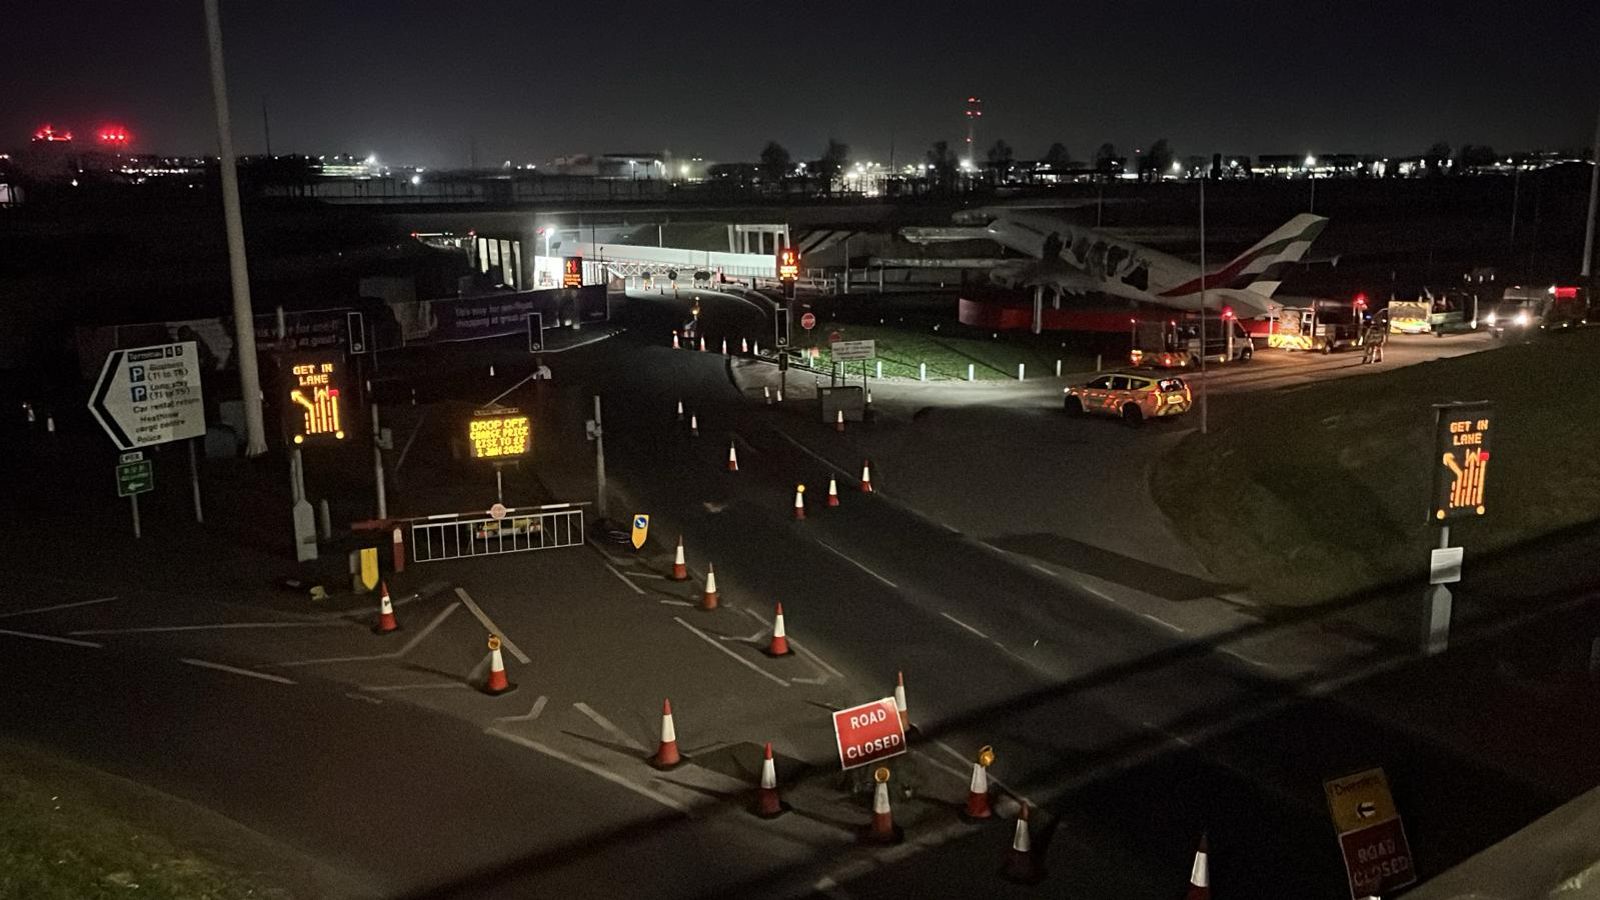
(1203, 392)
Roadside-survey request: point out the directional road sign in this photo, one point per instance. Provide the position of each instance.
(150, 395)
(868, 733)
(641, 530)
(135, 477)
(847, 350)
(1377, 857)
(1461, 459)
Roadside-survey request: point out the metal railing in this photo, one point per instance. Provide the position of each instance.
(455, 536)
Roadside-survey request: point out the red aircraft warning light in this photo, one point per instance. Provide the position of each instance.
(48, 134)
(113, 136)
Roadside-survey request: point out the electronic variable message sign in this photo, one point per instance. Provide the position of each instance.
(316, 407)
(1461, 459)
(572, 271)
(500, 434)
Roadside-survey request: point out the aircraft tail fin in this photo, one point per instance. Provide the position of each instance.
(1261, 267)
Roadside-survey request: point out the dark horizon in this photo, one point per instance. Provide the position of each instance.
(416, 87)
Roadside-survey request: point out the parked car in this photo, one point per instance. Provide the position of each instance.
(1132, 396)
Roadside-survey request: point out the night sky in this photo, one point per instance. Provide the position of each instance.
(414, 81)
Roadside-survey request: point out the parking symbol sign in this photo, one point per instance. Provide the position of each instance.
(136, 373)
(139, 392)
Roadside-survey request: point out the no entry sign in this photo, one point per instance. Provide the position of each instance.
(868, 733)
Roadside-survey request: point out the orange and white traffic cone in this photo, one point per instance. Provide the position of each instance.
(833, 492)
(866, 476)
(680, 410)
(733, 458)
(780, 640)
(497, 683)
(724, 346)
(1022, 865)
(694, 425)
(978, 808)
(675, 340)
(882, 829)
(900, 700)
(768, 804)
(799, 501)
(667, 756)
(702, 345)
(838, 421)
(708, 600)
(680, 566)
(386, 620)
(780, 396)
(1200, 874)
(744, 346)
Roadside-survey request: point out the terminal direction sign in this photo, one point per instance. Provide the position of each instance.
(848, 350)
(135, 475)
(1461, 459)
(868, 733)
(150, 395)
(1377, 857)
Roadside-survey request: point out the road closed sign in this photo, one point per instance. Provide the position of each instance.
(1377, 857)
(868, 733)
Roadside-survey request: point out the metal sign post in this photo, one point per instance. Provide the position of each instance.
(1461, 454)
(194, 483)
(135, 476)
(595, 432)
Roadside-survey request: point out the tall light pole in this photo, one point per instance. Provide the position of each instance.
(1203, 391)
(244, 320)
(1594, 200)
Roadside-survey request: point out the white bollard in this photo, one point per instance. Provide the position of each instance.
(1022, 369)
(972, 374)
(922, 371)
(880, 370)
(1058, 368)
(1097, 362)
(50, 424)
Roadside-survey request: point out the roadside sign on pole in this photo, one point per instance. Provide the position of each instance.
(808, 321)
(848, 350)
(355, 326)
(135, 477)
(868, 733)
(535, 332)
(641, 530)
(150, 395)
(1377, 857)
(780, 327)
(1461, 459)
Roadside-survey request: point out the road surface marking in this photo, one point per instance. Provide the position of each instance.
(538, 707)
(677, 603)
(809, 452)
(736, 657)
(409, 645)
(45, 609)
(493, 628)
(631, 586)
(646, 575)
(744, 640)
(1045, 570)
(251, 673)
(221, 626)
(592, 769)
(365, 699)
(963, 777)
(809, 680)
(601, 550)
(51, 638)
(798, 646)
(992, 780)
(1114, 601)
(950, 528)
(1245, 659)
(425, 686)
(965, 625)
(611, 729)
(1166, 734)
(828, 887)
(1164, 623)
(859, 565)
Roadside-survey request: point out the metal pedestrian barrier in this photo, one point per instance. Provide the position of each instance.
(459, 535)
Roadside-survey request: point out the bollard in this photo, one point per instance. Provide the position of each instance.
(879, 376)
(922, 371)
(324, 520)
(1058, 368)
(1022, 369)
(399, 550)
(972, 374)
(1097, 362)
(50, 424)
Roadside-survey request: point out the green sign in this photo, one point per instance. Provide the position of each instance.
(135, 478)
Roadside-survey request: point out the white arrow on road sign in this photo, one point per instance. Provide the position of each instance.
(150, 395)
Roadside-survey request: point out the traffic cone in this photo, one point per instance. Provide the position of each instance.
(702, 345)
(768, 804)
(667, 753)
(766, 394)
(680, 410)
(694, 425)
(386, 620)
(978, 796)
(491, 370)
(780, 641)
(799, 501)
(733, 458)
(744, 346)
(1200, 874)
(680, 567)
(780, 396)
(724, 346)
(866, 476)
(675, 340)
(497, 683)
(838, 421)
(833, 492)
(882, 829)
(900, 700)
(1021, 866)
(708, 600)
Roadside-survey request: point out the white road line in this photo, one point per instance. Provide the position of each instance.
(538, 707)
(677, 603)
(965, 625)
(1040, 568)
(1164, 623)
(646, 575)
(409, 645)
(251, 673)
(631, 586)
(963, 777)
(809, 680)
(859, 565)
(221, 626)
(365, 699)
(425, 686)
(1245, 659)
(610, 728)
(798, 646)
(736, 657)
(950, 528)
(493, 628)
(51, 638)
(45, 609)
(992, 780)
(1115, 602)
(601, 550)
(809, 452)
(592, 769)
(1165, 733)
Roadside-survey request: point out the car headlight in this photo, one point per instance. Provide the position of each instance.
(1522, 318)
(1489, 319)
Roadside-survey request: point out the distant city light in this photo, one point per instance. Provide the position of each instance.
(1310, 160)
(416, 179)
(1177, 166)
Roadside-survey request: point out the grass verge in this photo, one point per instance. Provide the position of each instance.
(1314, 494)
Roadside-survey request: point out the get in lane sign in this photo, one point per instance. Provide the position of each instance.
(1377, 857)
(149, 395)
(1461, 459)
(868, 733)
